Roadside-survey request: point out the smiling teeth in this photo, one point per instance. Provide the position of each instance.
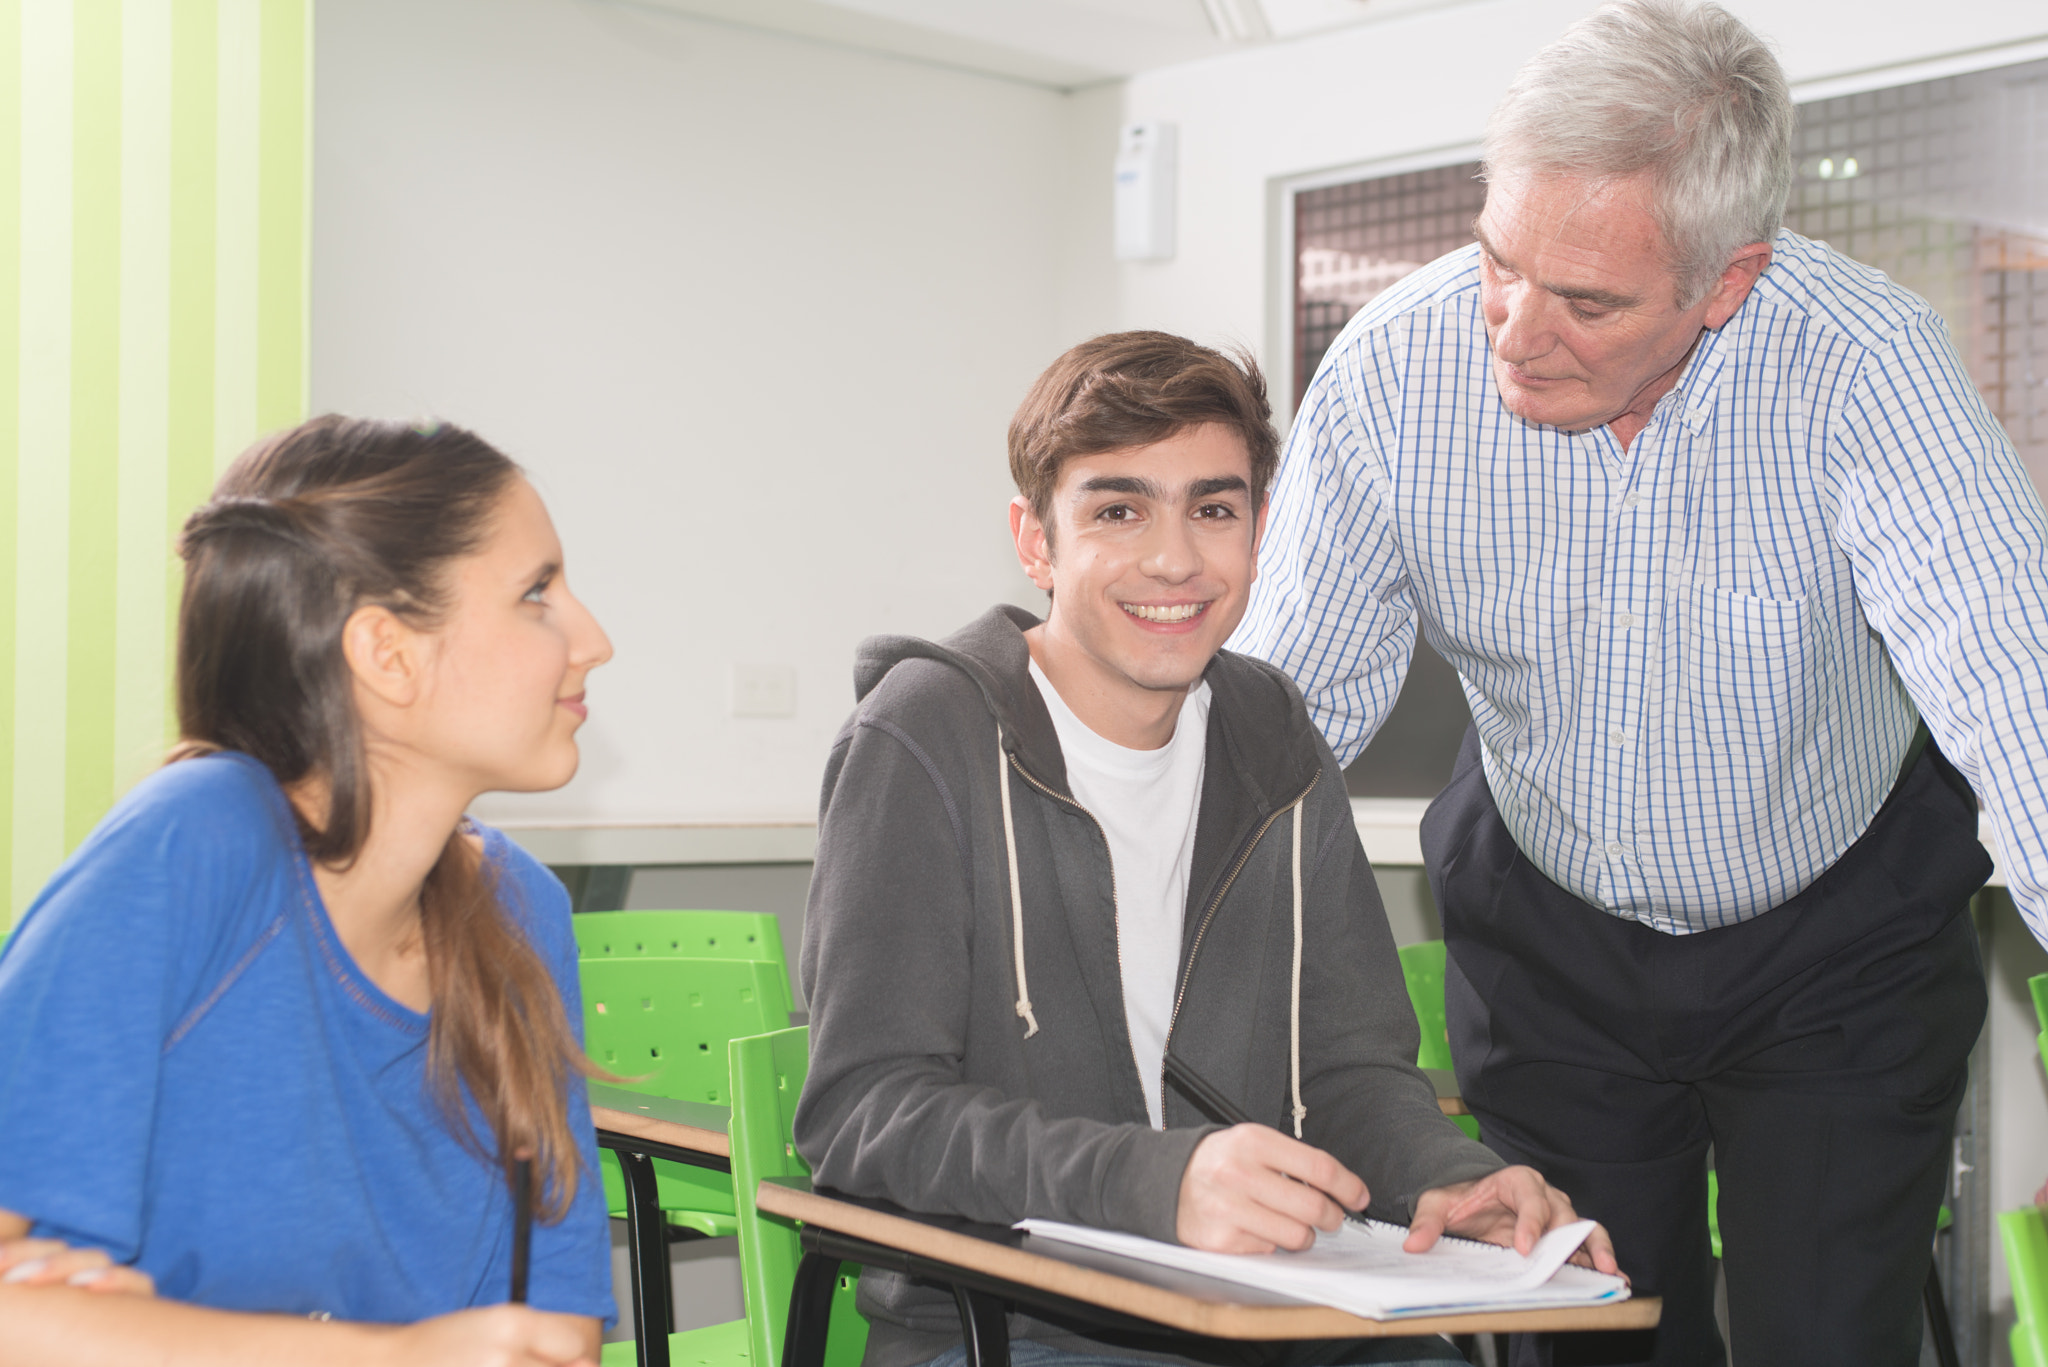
(1172, 614)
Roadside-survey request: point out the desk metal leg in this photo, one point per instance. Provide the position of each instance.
(647, 1239)
(984, 1327)
(810, 1310)
(1943, 1333)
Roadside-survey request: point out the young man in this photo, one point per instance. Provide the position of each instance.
(1049, 851)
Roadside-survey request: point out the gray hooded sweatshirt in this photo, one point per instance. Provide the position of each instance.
(969, 1053)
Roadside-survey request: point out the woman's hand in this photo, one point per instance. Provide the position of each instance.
(47, 1262)
(497, 1336)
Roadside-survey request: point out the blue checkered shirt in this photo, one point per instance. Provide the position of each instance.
(1694, 663)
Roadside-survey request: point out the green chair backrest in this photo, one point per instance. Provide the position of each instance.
(1423, 966)
(2025, 1235)
(680, 935)
(2038, 985)
(663, 1023)
(767, 1077)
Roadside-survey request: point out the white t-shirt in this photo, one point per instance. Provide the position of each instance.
(1145, 802)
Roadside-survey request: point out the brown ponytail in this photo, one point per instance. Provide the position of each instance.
(304, 528)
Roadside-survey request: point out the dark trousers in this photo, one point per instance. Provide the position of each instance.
(1820, 1048)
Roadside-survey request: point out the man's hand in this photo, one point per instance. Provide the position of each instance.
(1513, 1206)
(1251, 1189)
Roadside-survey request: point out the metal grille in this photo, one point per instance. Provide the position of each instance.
(1942, 185)
(1354, 240)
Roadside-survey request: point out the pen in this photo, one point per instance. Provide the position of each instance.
(1219, 1107)
(522, 1225)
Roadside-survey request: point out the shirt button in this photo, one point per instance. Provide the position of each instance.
(1614, 849)
(1619, 737)
(1626, 620)
(1631, 500)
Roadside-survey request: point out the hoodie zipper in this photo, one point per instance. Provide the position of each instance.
(1210, 915)
(1115, 918)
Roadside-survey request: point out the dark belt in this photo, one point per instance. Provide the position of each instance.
(1923, 742)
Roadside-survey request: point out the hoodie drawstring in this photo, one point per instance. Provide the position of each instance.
(1300, 1112)
(1016, 895)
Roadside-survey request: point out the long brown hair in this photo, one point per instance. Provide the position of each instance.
(303, 529)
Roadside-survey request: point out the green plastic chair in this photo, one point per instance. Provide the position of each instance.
(663, 1025)
(2038, 986)
(715, 1345)
(751, 935)
(767, 1077)
(2025, 1236)
(2024, 1233)
(691, 1198)
(767, 1074)
(1422, 966)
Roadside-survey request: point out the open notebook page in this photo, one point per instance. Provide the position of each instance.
(1362, 1268)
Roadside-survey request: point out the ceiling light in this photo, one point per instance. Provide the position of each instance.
(1238, 21)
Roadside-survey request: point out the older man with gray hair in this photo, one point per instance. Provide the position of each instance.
(1710, 521)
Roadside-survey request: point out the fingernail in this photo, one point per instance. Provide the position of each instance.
(24, 1271)
(86, 1276)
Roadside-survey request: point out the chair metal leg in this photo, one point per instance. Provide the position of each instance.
(1937, 1319)
(984, 1327)
(810, 1310)
(647, 1241)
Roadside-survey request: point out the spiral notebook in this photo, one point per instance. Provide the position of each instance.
(1362, 1268)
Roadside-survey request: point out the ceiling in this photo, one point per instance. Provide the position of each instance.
(1063, 43)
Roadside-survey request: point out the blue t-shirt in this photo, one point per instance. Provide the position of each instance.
(196, 1077)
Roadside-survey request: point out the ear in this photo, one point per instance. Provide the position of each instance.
(1735, 283)
(384, 655)
(1034, 547)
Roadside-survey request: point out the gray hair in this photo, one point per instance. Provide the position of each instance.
(1686, 94)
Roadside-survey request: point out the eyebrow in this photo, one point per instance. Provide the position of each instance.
(1606, 299)
(1121, 484)
(1145, 488)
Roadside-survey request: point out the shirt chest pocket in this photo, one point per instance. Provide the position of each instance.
(1745, 669)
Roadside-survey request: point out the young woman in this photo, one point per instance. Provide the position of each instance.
(272, 1038)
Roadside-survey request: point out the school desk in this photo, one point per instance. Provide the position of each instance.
(639, 1129)
(990, 1268)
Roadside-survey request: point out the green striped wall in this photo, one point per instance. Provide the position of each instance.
(153, 239)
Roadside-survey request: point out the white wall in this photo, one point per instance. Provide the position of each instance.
(1424, 82)
(753, 311)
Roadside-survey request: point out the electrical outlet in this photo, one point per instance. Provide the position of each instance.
(763, 690)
